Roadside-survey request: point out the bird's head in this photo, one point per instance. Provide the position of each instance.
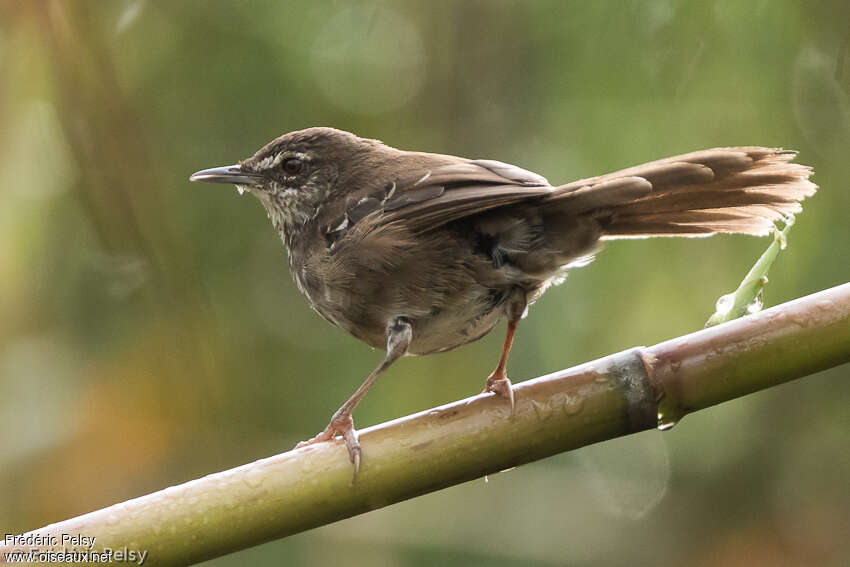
(294, 174)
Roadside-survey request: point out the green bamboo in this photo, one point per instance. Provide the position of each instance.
(747, 298)
(637, 389)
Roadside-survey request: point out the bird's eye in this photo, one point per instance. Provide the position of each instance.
(292, 165)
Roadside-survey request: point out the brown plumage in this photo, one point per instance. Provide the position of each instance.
(418, 252)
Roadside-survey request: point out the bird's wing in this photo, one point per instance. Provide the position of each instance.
(443, 194)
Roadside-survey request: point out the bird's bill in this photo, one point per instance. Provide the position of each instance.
(227, 174)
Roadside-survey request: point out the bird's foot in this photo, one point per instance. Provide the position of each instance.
(344, 425)
(499, 384)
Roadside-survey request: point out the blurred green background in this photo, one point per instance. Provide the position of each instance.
(150, 332)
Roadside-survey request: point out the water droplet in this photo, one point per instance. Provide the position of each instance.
(228, 501)
(789, 220)
(240, 189)
(572, 405)
(724, 304)
(669, 414)
(403, 440)
(544, 411)
(253, 478)
(756, 304)
(486, 479)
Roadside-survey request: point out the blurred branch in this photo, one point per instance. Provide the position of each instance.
(631, 391)
(103, 130)
(120, 191)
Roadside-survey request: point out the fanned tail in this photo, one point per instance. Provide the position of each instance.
(732, 190)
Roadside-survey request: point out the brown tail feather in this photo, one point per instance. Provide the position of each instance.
(734, 190)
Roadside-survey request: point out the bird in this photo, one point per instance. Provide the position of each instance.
(417, 253)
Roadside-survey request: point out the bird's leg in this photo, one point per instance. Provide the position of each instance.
(498, 382)
(399, 334)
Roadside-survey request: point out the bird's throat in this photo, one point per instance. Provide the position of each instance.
(289, 211)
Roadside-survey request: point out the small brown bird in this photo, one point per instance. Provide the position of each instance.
(418, 253)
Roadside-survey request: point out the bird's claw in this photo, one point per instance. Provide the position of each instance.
(344, 425)
(325, 435)
(501, 386)
(349, 435)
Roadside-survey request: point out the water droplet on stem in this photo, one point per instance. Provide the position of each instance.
(724, 304)
(669, 414)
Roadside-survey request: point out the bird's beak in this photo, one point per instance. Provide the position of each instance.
(227, 174)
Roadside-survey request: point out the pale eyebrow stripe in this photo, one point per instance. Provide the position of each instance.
(270, 161)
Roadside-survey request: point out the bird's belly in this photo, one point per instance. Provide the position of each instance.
(456, 326)
(441, 321)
